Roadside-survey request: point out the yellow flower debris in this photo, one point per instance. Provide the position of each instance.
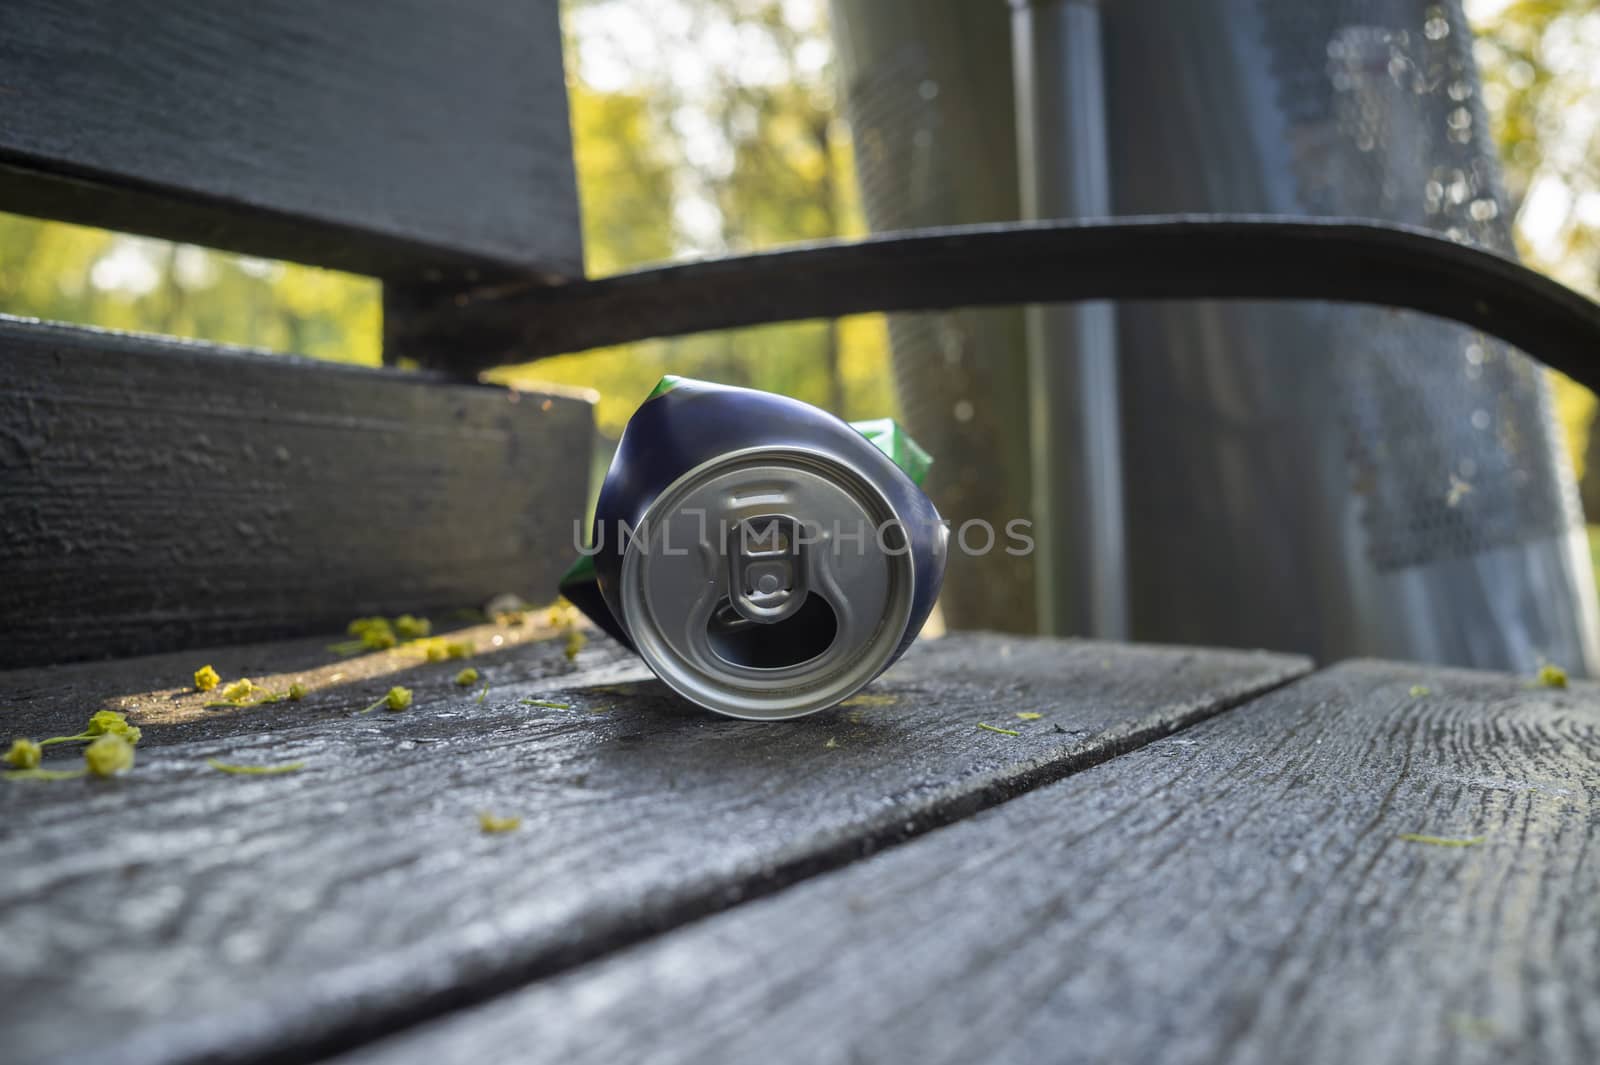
(238, 691)
(206, 678)
(434, 653)
(458, 649)
(109, 721)
(408, 627)
(295, 693)
(379, 639)
(484, 694)
(372, 634)
(45, 774)
(108, 755)
(503, 605)
(1028, 715)
(375, 634)
(132, 733)
(831, 744)
(101, 723)
(575, 642)
(1551, 676)
(1441, 841)
(545, 703)
(467, 678)
(255, 770)
(396, 698)
(24, 754)
(996, 728)
(1419, 690)
(492, 824)
(359, 626)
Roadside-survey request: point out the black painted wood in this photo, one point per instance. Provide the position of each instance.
(1241, 892)
(177, 914)
(158, 494)
(156, 691)
(1163, 257)
(411, 139)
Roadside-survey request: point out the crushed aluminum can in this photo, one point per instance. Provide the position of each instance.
(765, 558)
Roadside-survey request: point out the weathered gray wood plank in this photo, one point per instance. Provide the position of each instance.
(1238, 893)
(214, 917)
(408, 139)
(156, 691)
(161, 494)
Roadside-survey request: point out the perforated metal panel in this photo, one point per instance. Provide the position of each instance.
(1451, 454)
(1331, 479)
(898, 118)
(1326, 479)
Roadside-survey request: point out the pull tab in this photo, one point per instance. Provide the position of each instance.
(766, 568)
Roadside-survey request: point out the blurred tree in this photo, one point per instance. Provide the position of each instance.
(699, 127)
(1540, 63)
(708, 127)
(73, 273)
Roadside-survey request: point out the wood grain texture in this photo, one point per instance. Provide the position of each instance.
(1241, 892)
(156, 691)
(159, 495)
(409, 139)
(1155, 257)
(210, 917)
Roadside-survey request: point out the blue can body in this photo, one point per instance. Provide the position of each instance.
(686, 424)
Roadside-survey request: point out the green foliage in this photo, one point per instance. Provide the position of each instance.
(624, 181)
(740, 159)
(72, 273)
(1540, 65)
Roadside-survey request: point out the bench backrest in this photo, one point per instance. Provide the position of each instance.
(410, 140)
(158, 494)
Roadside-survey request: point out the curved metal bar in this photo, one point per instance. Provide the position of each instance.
(1140, 258)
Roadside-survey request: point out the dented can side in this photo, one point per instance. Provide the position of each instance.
(764, 557)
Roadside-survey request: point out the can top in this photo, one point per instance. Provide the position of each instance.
(768, 583)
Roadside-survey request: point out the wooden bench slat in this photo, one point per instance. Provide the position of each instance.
(156, 691)
(215, 917)
(409, 139)
(1240, 893)
(160, 494)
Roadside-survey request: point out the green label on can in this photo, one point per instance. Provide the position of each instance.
(888, 437)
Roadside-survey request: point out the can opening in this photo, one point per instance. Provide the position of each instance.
(800, 636)
(767, 567)
(790, 606)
